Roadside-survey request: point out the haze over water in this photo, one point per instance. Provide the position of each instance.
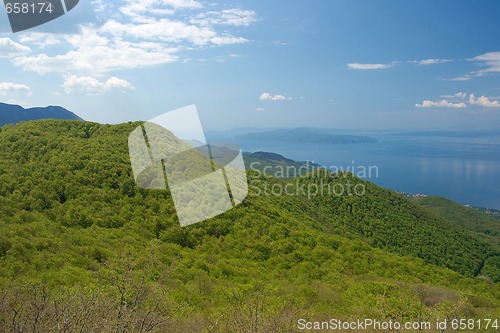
(462, 169)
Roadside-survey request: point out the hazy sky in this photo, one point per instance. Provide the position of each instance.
(340, 64)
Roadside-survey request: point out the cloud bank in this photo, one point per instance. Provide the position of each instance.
(457, 104)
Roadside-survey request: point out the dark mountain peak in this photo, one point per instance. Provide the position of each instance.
(12, 114)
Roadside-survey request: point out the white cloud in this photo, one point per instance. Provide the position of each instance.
(134, 34)
(40, 39)
(86, 85)
(483, 101)
(268, 97)
(191, 4)
(458, 95)
(423, 62)
(432, 61)
(226, 40)
(99, 6)
(260, 109)
(441, 104)
(375, 66)
(234, 17)
(146, 25)
(11, 49)
(116, 83)
(135, 8)
(491, 60)
(369, 66)
(96, 55)
(466, 77)
(9, 88)
(165, 30)
(456, 103)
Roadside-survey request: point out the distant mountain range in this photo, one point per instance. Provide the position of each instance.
(13, 114)
(306, 135)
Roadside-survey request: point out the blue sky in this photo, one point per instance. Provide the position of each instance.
(338, 64)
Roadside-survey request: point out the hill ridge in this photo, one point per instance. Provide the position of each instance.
(12, 113)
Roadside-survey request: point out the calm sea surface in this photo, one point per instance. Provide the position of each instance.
(466, 170)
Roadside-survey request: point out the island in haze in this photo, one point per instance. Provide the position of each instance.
(13, 114)
(306, 135)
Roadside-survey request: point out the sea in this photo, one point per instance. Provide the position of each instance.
(464, 169)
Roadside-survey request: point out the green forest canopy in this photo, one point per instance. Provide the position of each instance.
(81, 245)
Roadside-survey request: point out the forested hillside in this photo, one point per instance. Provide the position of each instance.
(83, 249)
(471, 219)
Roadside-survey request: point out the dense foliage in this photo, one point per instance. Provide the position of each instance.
(482, 226)
(387, 220)
(83, 249)
(466, 217)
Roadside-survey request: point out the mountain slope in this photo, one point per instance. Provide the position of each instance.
(79, 240)
(12, 114)
(481, 226)
(466, 217)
